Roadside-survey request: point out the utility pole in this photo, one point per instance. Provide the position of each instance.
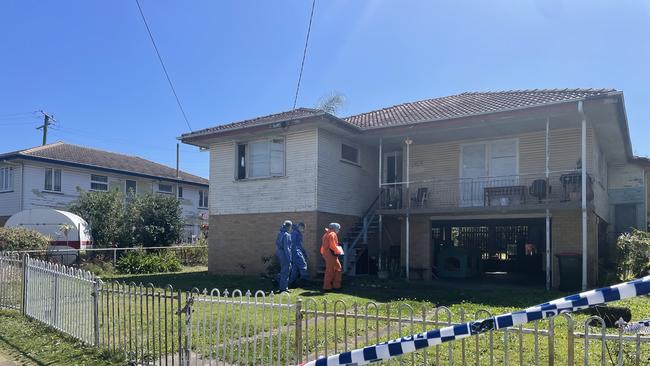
(47, 121)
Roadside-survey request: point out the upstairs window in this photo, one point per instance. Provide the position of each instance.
(6, 179)
(203, 199)
(98, 183)
(165, 188)
(260, 159)
(349, 154)
(52, 180)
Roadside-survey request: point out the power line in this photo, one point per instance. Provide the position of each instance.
(304, 53)
(169, 80)
(93, 136)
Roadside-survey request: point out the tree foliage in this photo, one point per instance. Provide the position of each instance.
(633, 254)
(104, 211)
(154, 220)
(18, 238)
(148, 220)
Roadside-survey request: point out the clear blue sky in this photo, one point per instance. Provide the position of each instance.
(91, 64)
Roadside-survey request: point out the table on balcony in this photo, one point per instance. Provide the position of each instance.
(506, 191)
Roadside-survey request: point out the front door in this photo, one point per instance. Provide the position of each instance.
(472, 174)
(624, 218)
(392, 176)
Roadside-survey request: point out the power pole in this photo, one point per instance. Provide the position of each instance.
(47, 120)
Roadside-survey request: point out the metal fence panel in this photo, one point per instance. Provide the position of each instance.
(165, 326)
(61, 297)
(11, 280)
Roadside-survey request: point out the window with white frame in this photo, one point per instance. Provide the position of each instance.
(260, 159)
(6, 179)
(349, 153)
(180, 192)
(52, 180)
(165, 188)
(98, 182)
(203, 199)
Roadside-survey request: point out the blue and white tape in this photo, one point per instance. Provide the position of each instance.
(397, 347)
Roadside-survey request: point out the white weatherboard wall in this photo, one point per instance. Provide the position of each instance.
(345, 188)
(294, 192)
(75, 179)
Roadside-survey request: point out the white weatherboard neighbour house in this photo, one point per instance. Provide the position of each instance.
(53, 175)
(500, 183)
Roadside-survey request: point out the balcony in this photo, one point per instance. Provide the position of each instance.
(515, 192)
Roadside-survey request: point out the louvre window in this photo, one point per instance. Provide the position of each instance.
(98, 182)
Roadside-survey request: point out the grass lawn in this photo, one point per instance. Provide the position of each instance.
(395, 296)
(30, 343)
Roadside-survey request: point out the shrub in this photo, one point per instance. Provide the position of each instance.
(104, 211)
(633, 254)
(18, 238)
(194, 256)
(140, 262)
(155, 220)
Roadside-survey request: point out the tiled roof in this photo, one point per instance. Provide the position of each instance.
(69, 153)
(258, 121)
(467, 104)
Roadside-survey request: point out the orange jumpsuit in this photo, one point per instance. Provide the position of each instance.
(330, 251)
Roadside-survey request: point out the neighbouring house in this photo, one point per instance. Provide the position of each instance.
(488, 182)
(53, 175)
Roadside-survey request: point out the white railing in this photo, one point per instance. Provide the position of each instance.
(522, 190)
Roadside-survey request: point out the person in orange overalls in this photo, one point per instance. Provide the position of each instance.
(330, 251)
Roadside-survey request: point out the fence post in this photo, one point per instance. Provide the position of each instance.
(23, 304)
(188, 328)
(298, 331)
(114, 256)
(95, 295)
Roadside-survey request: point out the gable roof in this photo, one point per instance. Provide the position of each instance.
(468, 104)
(104, 160)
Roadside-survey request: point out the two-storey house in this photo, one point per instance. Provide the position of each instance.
(53, 175)
(496, 182)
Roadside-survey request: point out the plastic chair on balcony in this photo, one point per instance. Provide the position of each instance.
(421, 197)
(539, 189)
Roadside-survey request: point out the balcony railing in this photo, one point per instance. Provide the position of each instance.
(523, 190)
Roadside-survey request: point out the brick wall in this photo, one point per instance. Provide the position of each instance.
(420, 250)
(238, 242)
(567, 238)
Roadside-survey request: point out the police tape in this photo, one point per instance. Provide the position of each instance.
(397, 347)
(638, 327)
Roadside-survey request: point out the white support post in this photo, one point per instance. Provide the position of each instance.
(381, 160)
(408, 205)
(583, 169)
(548, 214)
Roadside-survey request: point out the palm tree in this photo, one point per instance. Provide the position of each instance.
(331, 103)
